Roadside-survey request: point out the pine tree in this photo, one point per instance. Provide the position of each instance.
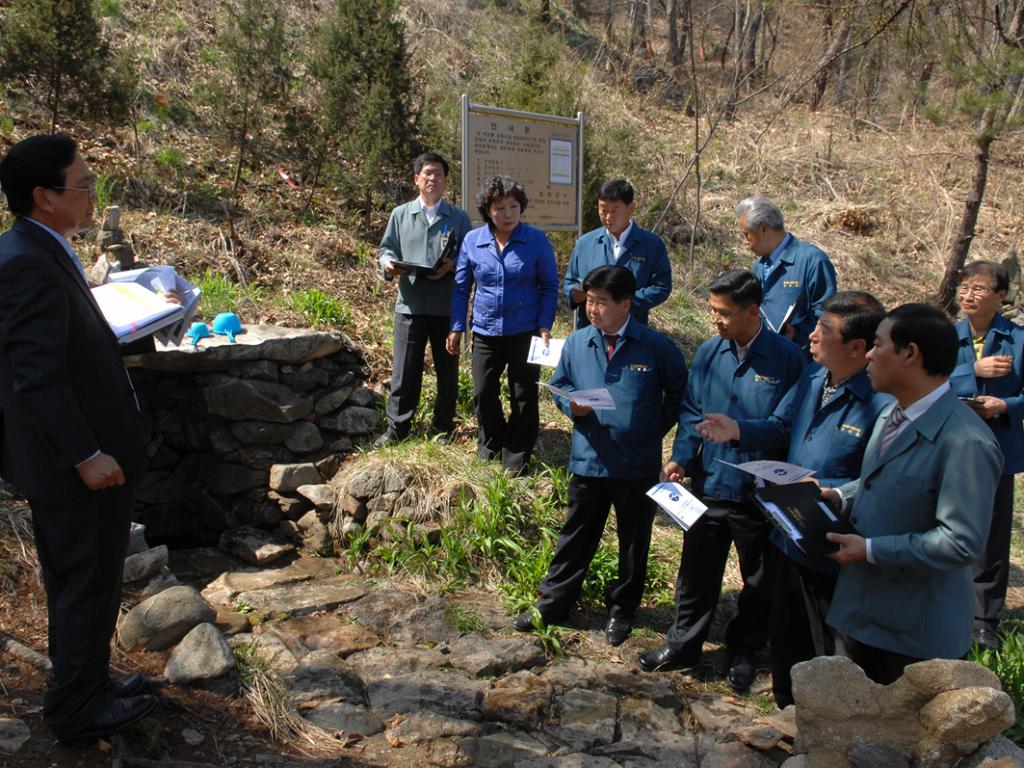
(362, 68)
(56, 47)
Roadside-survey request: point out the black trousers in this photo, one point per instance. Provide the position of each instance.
(699, 582)
(81, 552)
(882, 666)
(992, 571)
(510, 440)
(801, 599)
(412, 332)
(590, 499)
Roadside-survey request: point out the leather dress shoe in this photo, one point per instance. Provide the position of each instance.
(131, 685)
(987, 638)
(664, 659)
(741, 673)
(387, 438)
(524, 622)
(120, 713)
(617, 630)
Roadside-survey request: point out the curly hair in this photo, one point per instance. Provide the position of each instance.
(495, 189)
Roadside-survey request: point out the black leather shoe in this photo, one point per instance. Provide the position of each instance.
(524, 622)
(617, 630)
(120, 713)
(664, 659)
(988, 638)
(741, 673)
(131, 685)
(386, 439)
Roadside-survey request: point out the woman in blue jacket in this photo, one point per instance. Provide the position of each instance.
(513, 268)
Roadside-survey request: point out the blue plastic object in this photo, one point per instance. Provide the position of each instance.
(198, 331)
(227, 324)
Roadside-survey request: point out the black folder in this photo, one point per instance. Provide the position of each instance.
(798, 510)
(450, 250)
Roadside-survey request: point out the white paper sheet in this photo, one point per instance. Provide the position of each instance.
(598, 399)
(778, 472)
(541, 355)
(679, 504)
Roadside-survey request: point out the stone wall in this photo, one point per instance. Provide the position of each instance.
(219, 417)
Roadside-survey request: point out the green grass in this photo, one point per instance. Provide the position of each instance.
(320, 309)
(1008, 665)
(221, 294)
(464, 619)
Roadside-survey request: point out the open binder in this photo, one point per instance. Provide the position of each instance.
(798, 510)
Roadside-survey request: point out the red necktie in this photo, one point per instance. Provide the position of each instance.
(610, 340)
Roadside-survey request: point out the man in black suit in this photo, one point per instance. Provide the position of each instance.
(70, 432)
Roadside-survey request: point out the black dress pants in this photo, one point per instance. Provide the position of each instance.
(590, 499)
(801, 598)
(992, 571)
(510, 440)
(412, 332)
(81, 552)
(699, 582)
(879, 665)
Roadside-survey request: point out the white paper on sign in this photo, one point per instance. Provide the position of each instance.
(778, 472)
(598, 399)
(679, 504)
(541, 355)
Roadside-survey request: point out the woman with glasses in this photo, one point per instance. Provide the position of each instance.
(989, 378)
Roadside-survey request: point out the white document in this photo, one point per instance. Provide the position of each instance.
(785, 319)
(784, 522)
(679, 504)
(134, 311)
(160, 280)
(778, 472)
(549, 355)
(598, 399)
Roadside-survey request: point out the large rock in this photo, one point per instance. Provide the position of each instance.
(404, 617)
(321, 495)
(144, 564)
(203, 660)
(225, 587)
(344, 718)
(501, 750)
(992, 751)
(587, 719)
(446, 693)
(261, 432)
(265, 647)
(418, 727)
(576, 760)
(162, 620)
(483, 657)
(735, 754)
(227, 479)
(299, 599)
(381, 663)
(936, 713)
(13, 735)
(253, 545)
(305, 437)
(304, 634)
(353, 420)
(321, 678)
(244, 399)
(522, 699)
(285, 478)
(333, 400)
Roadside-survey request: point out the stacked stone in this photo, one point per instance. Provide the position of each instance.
(235, 430)
(111, 241)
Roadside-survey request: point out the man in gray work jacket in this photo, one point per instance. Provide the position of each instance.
(417, 233)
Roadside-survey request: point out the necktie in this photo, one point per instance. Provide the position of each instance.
(610, 340)
(891, 428)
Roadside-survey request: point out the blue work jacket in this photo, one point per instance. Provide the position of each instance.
(804, 276)
(1003, 338)
(830, 439)
(644, 255)
(647, 380)
(516, 292)
(747, 390)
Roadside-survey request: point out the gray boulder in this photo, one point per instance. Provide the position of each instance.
(203, 660)
(245, 399)
(285, 478)
(253, 545)
(162, 620)
(144, 564)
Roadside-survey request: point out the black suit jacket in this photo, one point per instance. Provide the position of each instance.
(64, 390)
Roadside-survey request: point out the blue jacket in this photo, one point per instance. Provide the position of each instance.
(646, 378)
(748, 390)
(644, 255)
(926, 505)
(409, 238)
(1002, 338)
(804, 276)
(830, 440)
(516, 292)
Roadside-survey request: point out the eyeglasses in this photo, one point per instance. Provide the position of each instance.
(718, 316)
(91, 189)
(975, 290)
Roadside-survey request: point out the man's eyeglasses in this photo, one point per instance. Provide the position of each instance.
(717, 316)
(91, 189)
(975, 290)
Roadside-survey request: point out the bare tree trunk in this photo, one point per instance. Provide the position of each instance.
(649, 24)
(828, 61)
(843, 68)
(636, 24)
(946, 296)
(675, 56)
(696, 129)
(545, 11)
(754, 17)
(578, 9)
(609, 18)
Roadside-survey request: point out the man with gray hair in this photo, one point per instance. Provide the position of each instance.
(796, 277)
